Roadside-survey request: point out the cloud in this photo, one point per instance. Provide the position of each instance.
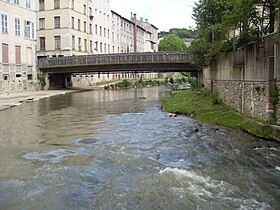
(164, 14)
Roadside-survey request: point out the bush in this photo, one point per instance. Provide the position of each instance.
(194, 83)
(215, 97)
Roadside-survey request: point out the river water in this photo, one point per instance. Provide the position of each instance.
(112, 150)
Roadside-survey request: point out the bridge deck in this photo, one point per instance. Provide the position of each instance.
(144, 62)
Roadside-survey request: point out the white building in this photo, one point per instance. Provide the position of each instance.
(17, 50)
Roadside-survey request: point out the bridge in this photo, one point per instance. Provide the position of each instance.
(59, 68)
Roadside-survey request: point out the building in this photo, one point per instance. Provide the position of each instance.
(116, 32)
(148, 43)
(102, 26)
(64, 28)
(17, 51)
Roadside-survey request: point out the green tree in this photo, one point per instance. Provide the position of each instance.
(172, 43)
(182, 33)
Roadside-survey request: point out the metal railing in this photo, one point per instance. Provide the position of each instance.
(100, 59)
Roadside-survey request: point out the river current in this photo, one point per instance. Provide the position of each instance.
(112, 150)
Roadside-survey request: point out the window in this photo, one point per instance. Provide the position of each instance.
(80, 44)
(5, 53)
(18, 55)
(104, 32)
(100, 30)
(96, 27)
(73, 42)
(100, 46)
(90, 11)
(29, 77)
(41, 5)
(90, 28)
(28, 4)
(41, 23)
(56, 4)
(17, 26)
(85, 43)
(29, 31)
(73, 23)
(96, 46)
(16, 2)
(57, 42)
(79, 24)
(85, 26)
(90, 46)
(105, 47)
(85, 9)
(73, 3)
(4, 20)
(57, 22)
(42, 43)
(108, 34)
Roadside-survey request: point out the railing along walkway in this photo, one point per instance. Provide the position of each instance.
(158, 57)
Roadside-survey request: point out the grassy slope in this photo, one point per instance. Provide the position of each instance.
(199, 105)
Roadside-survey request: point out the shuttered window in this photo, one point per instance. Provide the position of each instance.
(5, 53)
(42, 43)
(57, 42)
(56, 4)
(18, 55)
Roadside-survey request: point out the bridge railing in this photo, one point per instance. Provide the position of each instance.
(114, 59)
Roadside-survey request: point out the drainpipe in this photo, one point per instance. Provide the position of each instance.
(135, 32)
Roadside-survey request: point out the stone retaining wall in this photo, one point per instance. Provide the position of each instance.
(249, 98)
(244, 79)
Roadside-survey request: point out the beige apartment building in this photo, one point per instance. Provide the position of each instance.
(84, 27)
(64, 28)
(17, 51)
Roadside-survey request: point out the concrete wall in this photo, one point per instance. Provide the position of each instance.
(245, 78)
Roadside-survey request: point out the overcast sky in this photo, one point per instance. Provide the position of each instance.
(164, 14)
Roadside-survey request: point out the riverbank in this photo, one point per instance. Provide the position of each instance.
(204, 107)
(8, 100)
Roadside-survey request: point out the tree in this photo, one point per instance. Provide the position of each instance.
(182, 33)
(172, 43)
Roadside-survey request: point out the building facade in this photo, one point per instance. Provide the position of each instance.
(64, 28)
(32, 29)
(17, 51)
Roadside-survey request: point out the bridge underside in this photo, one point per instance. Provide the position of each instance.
(113, 68)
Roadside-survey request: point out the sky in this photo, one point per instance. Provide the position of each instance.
(164, 14)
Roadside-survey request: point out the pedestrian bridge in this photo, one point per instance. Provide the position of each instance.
(128, 62)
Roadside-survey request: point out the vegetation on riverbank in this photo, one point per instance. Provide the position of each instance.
(206, 107)
(126, 84)
(171, 79)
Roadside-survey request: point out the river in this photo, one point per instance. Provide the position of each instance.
(112, 150)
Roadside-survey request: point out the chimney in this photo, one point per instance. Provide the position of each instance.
(147, 20)
(135, 32)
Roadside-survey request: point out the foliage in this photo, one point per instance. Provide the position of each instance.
(198, 104)
(172, 43)
(125, 84)
(182, 33)
(194, 83)
(224, 25)
(41, 80)
(215, 97)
